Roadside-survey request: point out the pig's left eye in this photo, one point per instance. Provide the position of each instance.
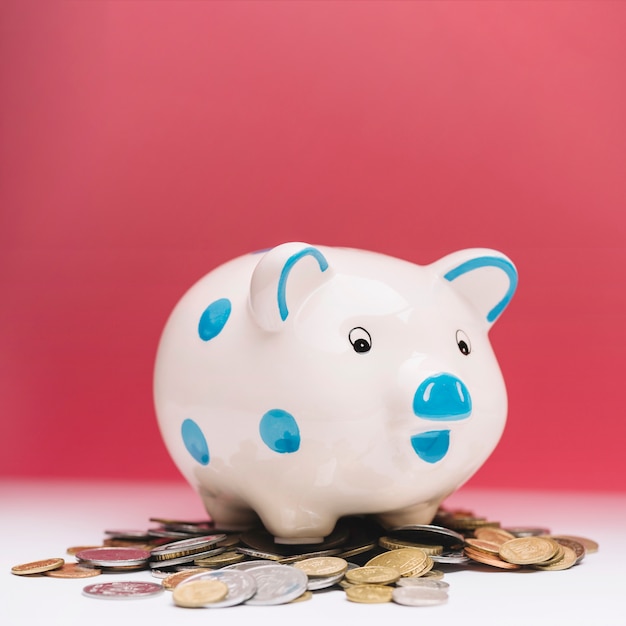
(463, 342)
(360, 339)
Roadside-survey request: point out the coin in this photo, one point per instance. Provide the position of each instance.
(277, 584)
(390, 543)
(490, 559)
(193, 594)
(451, 557)
(483, 545)
(429, 534)
(579, 548)
(323, 582)
(113, 557)
(590, 545)
(528, 531)
(122, 590)
(171, 581)
(528, 550)
(369, 594)
(322, 566)
(422, 582)
(565, 562)
(228, 557)
(495, 535)
(245, 565)
(307, 595)
(372, 575)
(241, 586)
(419, 596)
(74, 549)
(406, 561)
(37, 567)
(74, 570)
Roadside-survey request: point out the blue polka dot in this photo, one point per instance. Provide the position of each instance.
(195, 442)
(214, 318)
(431, 446)
(280, 431)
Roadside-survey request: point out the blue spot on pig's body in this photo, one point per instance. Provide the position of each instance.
(279, 431)
(195, 442)
(214, 318)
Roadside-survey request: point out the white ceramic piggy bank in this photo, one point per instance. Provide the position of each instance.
(306, 383)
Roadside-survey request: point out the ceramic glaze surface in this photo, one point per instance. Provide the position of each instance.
(305, 383)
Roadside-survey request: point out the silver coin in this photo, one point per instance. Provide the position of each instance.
(122, 590)
(428, 534)
(528, 531)
(277, 584)
(419, 596)
(323, 582)
(241, 586)
(113, 557)
(453, 557)
(422, 582)
(245, 565)
(193, 544)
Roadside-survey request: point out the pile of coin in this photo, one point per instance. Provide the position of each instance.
(205, 567)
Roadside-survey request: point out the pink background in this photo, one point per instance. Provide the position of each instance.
(143, 143)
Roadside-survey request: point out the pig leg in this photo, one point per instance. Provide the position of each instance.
(228, 513)
(295, 523)
(422, 513)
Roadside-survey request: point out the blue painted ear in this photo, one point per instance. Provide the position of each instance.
(282, 279)
(487, 279)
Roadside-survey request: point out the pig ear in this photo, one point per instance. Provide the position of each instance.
(282, 279)
(487, 279)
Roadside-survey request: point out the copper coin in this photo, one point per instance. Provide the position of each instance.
(122, 590)
(113, 557)
(37, 567)
(74, 570)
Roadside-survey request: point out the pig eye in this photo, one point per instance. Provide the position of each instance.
(360, 339)
(463, 342)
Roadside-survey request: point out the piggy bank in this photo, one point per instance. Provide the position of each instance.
(306, 383)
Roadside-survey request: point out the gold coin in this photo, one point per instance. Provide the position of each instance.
(489, 559)
(372, 575)
(433, 574)
(483, 545)
(369, 594)
(37, 567)
(219, 560)
(74, 570)
(196, 593)
(389, 543)
(495, 535)
(75, 549)
(589, 544)
(568, 560)
(405, 560)
(557, 556)
(528, 550)
(428, 565)
(322, 566)
(173, 580)
(307, 595)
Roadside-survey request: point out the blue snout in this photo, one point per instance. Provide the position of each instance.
(442, 397)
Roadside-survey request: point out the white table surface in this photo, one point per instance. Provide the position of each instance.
(42, 519)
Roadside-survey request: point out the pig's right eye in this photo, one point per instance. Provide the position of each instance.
(360, 339)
